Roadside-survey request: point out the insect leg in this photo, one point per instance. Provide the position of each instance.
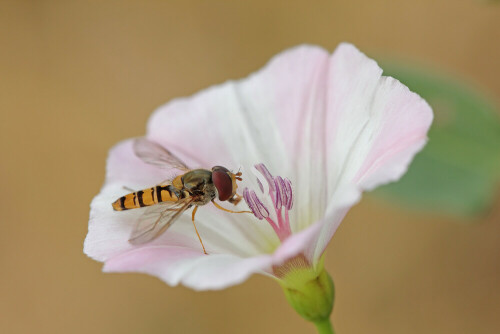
(224, 209)
(201, 242)
(235, 199)
(129, 189)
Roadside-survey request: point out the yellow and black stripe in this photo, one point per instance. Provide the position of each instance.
(148, 197)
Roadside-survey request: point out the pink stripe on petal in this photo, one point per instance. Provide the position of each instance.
(149, 258)
(176, 265)
(407, 119)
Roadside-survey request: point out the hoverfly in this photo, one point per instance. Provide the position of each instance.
(165, 202)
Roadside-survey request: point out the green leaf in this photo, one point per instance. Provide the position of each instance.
(458, 172)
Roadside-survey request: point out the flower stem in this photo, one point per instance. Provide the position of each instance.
(324, 327)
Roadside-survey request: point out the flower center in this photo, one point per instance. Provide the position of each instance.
(278, 195)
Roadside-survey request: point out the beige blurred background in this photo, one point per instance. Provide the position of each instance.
(78, 76)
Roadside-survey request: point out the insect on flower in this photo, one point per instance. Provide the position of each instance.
(316, 129)
(165, 202)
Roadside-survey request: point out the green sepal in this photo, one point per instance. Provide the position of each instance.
(310, 292)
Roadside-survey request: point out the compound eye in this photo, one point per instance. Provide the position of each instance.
(220, 169)
(222, 182)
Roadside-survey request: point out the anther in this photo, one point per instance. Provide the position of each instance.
(289, 193)
(260, 206)
(265, 172)
(280, 196)
(255, 205)
(261, 187)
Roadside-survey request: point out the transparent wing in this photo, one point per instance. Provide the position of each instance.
(157, 219)
(154, 154)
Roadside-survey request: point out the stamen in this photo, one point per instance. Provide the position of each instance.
(289, 194)
(280, 195)
(260, 185)
(255, 205)
(265, 172)
(248, 199)
(260, 206)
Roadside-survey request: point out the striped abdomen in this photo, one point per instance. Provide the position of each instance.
(148, 197)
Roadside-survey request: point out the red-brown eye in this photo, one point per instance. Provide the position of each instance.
(222, 182)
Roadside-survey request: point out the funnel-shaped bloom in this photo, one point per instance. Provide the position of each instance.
(310, 132)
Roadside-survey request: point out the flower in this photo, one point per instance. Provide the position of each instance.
(310, 132)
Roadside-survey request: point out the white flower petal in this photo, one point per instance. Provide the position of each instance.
(176, 265)
(376, 126)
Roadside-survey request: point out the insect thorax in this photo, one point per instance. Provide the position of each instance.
(198, 183)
